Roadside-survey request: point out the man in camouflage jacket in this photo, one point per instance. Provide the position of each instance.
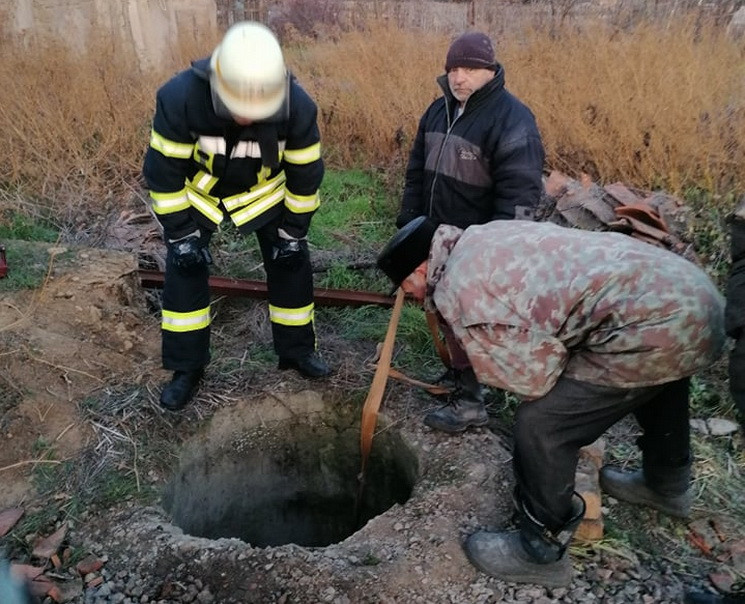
(585, 327)
(735, 310)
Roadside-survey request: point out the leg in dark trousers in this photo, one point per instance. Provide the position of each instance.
(186, 301)
(290, 300)
(549, 433)
(665, 443)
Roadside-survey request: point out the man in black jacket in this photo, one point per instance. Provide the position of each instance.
(235, 136)
(477, 157)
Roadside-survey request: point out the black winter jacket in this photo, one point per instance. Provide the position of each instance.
(486, 164)
(201, 166)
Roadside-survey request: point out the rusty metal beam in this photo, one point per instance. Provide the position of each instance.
(249, 288)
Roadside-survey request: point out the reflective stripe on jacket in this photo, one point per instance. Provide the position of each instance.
(200, 167)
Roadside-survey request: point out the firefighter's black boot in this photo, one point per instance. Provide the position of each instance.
(180, 390)
(671, 495)
(311, 366)
(531, 554)
(465, 408)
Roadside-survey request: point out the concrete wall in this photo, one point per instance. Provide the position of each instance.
(149, 26)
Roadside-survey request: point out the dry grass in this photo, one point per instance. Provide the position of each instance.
(75, 127)
(654, 104)
(661, 105)
(372, 87)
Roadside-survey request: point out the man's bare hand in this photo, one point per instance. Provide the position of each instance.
(416, 283)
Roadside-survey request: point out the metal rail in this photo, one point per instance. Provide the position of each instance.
(249, 288)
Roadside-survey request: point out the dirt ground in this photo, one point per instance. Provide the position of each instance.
(85, 328)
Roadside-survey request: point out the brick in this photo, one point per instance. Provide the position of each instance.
(586, 484)
(594, 452)
(589, 530)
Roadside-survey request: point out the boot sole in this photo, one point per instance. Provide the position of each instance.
(527, 577)
(180, 407)
(453, 430)
(287, 365)
(623, 494)
(175, 408)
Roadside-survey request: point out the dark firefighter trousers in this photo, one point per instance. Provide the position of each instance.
(289, 290)
(550, 431)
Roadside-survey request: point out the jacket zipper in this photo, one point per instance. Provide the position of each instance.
(439, 153)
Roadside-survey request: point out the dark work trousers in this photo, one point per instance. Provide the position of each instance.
(287, 289)
(458, 357)
(550, 431)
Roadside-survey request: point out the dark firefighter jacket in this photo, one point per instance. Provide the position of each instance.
(486, 164)
(201, 166)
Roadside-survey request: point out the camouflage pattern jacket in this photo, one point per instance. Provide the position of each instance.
(530, 302)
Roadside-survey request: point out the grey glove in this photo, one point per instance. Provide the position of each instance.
(188, 253)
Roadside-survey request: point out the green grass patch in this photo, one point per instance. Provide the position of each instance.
(21, 226)
(354, 212)
(709, 231)
(28, 264)
(414, 352)
(364, 323)
(341, 276)
(115, 486)
(235, 255)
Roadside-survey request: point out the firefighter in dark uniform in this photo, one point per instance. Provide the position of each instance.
(235, 137)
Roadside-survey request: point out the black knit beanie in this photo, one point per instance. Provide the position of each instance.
(472, 49)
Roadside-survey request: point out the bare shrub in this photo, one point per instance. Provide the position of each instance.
(658, 105)
(371, 87)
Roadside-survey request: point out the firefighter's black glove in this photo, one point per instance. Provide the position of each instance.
(189, 253)
(290, 253)
(737, 377)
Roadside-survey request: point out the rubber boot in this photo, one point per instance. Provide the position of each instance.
(531, 554)
(311, 366)
(465, 407)
(672, 497)
(180, 390)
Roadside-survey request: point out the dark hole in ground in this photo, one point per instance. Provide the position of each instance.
(294, 482)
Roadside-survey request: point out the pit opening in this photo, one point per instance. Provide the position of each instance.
(287, 472)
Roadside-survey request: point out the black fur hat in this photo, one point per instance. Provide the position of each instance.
(407, 249)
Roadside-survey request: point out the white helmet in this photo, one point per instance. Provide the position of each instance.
(247, 71)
